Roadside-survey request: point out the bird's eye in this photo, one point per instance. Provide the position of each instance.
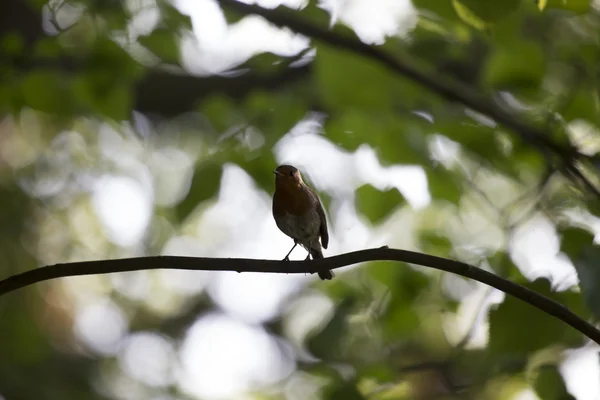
(291, 173)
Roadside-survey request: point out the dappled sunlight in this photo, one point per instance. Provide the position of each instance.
(149, 128)
(337, 171)
(585, 136)
(535, 248)
(238, 223)
(374, 20)
(124, 208)
(135, 285)
(582, 384)
(469, 326)
(303, 315)
(20, 150)
(302, 386)
(217, 47)
(349, 230)
(148, 358)
(222, 358)
(101, 325)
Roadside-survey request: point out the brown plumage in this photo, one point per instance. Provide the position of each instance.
(299, 214)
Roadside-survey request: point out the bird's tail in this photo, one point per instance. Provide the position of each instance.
(317, 254)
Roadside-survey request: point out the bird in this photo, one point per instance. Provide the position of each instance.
(299, 214)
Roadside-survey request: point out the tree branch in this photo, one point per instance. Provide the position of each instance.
(448, 89)
(158, 92)
(295, 267)
(155, 93)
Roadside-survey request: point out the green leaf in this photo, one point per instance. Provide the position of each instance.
(575, 240)
(514, 65)
(584, 104)
(163, 43)
(400, 318)
(476, 137)
(221, 113)
(348, 80)
(111, 61)
(48, 47)
(443, 9)
(172, 17)
(585, 255)
(436, 244)
(443, 184)
(396, 139)
(524, 161)
(205, 184)
(47, 91)
(14, 209)
(274, 113)
(549, 384)
(96, 95)
(328, 343)
(377, 205)
(258, 165)
(511, 333)
(468, 16)
(502, 265)
(381, 372)
(576, 6)
(481, 13)
(345, 391)
(11, 44)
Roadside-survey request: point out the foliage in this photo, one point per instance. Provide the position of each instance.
(393, 332)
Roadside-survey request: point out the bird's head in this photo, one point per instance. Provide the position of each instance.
(287, 175)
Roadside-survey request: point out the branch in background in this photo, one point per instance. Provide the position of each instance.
(169, 95)
(446, 88)
(296, 267)
(158, 92)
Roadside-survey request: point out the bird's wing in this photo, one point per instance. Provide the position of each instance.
(323, 229)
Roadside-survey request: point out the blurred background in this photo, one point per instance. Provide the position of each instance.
(152, 127)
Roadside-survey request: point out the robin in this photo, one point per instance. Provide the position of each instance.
(299, 214)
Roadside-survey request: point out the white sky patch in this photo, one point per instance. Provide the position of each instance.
(216, 46)
(338, 171)
(534, 247)
(222, 358)
(173, 170)
(472, 317)
(148, 358)
(374, 20)
(101, 325)
(124, 207)
(581, 371)
(527, 394)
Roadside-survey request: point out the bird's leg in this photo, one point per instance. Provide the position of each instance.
(287, 257)
(308, 249)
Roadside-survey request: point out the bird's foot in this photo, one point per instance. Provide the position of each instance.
(286, 258)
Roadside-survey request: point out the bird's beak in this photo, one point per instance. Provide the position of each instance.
(277, 172)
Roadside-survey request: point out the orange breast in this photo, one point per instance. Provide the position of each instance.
(292, 200)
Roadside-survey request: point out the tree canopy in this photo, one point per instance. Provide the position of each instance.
(464, 129)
